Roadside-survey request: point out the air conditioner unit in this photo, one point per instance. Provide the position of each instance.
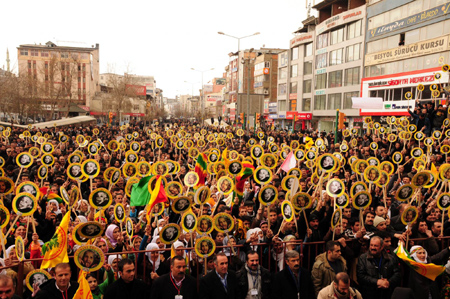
(266, 91)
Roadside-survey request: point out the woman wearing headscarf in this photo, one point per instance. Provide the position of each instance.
(115, 239)
(12, 261)
(421, 285)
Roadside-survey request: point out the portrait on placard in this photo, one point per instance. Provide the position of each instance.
(360, 166)
(205, 247)
(301, 201)
(362, 200)
(143, 169)
(372, 161)
(119, 212)
(6, 185)
(409, 215)
(268, 194)
(24, 203)
(223, 222)
(342, 201)
(131, 157)
(129, 228)
(173, 189)
(90, 168)
(19, 248)
(263, 175)
(335, 218)
(36, 278)
(181, 204)
(420, 179)
(89, 258)
(311, 155)
(372, 174)
(100, 198)
(269, 161)
(235, 167)
(4, 216)
(287, 211)
(28, 187)
(204, 225)
(444, 171)
(160, 168)
(213, 157)
(189, 221)
(404, 193)
(129, 170)
(24, 159)
(397, 157)
(335, 187)
(191, 179)
(295, 172)
(90, 230)
(273, 148)
(387, 166)
(256, 152)
(225, 185)
(327, 162)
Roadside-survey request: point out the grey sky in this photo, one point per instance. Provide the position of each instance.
(164, 39)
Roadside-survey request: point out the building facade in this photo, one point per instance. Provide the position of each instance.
(60, 74)
(407, 43)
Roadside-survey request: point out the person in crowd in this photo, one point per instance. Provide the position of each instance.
(340, 288)
(220, 283)
(254, 280)
(60, 287)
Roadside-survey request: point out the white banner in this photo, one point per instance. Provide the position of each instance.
(367, 103)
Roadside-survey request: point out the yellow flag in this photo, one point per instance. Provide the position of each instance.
(55, 250)
(84, 291)
(225, 159)
(433, 169)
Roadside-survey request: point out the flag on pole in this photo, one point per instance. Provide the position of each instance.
(430, 271)
(200, 169)
(289, 163)
(158, 194)
(241, 178)
(83, 291)
(139, 193)
(55, 250)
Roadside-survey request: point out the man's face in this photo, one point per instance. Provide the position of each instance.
(342, 287)
(221, 265)
(294, 263)
(128, 273)
(375, 247)
(387, 242)
(314, 223)
(369, 219)
(62, 277)
(436, 228)
(178, 269)
(6, 290)
(335, 253)
(253, 261)
(423, 227)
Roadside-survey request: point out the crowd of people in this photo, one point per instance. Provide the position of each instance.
(239, 214)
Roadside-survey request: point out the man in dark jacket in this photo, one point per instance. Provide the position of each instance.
(127, 286)
(378, 272)
(58, 288)
(169, 285)
(261, 278)
(220, 283)
(294, 281)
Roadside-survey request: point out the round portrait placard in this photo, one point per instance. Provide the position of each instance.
(362, 200)
(405, 192)
(287, 211)
(90, 230)
(235, 167)
(129, 228)
(169, 233)
(225, 185)
(342, 201)
(223, 223)
(89, 258)
(20, 248)
(204, 225)
(189, 221)
(6, 185)
(262, 175)
(421, 179)
(205, 247)
(409, 215)
(335, 187)
(90, 168)
(28, 187)
(24, 159)
(301, 200)
(36, 278)
(357, 187)
(100, 198)
(24, 204)
(181, 204)
(119, 212)
(267, 195)
(191, 179)
(74, 171)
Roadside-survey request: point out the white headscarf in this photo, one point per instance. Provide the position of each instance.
(111, 258)
(153, 246)
(279, 257)
(413, 253)
(8, 251)
(58, 211)
(179, 244)
(82, 219)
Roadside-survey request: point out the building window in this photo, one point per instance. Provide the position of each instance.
(351, 76)
(283, 60)
(335, 79)
(337, 36)
(308, 49)
(282, 73)
(353, 52)
(336, 57)
(348, 99)
(354, 29)
(34, 53)
(44, 53)
(307, 86)
(320, 102)
(322, 41)
(282, 105)
(334, 101)
(307, 68)
(281, 89)
(321, 61)
(24, 52)
(64, 55)
(306, 105)
(294, 53)
(321, 81)
(294, 72)
(293, 87)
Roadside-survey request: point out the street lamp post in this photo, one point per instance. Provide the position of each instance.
(202, 105)
(239, 50)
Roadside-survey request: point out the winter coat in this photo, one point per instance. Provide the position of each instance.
(322, 273)
(328, 293)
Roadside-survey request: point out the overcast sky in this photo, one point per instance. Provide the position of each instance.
(164, 39)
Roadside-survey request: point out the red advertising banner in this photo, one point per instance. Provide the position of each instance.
(136, 90)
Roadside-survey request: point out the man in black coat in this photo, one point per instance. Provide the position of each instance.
(294, 281)
(58, 288)
(169, 285)
(127, 286)
(220, 283)
(261, 278)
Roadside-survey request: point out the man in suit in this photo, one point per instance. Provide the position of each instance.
(253, 279)
(294, 281)
(169, 285)
(220, 283)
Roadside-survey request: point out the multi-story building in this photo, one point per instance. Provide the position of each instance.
(60, 74)
(407, 42)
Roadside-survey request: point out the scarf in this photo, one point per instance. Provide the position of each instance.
(341, 296)
(413, 254)
(279, 257)
(109, 234)
(253, 284)
(153, 246)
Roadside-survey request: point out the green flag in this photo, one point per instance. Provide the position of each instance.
(139, 193)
